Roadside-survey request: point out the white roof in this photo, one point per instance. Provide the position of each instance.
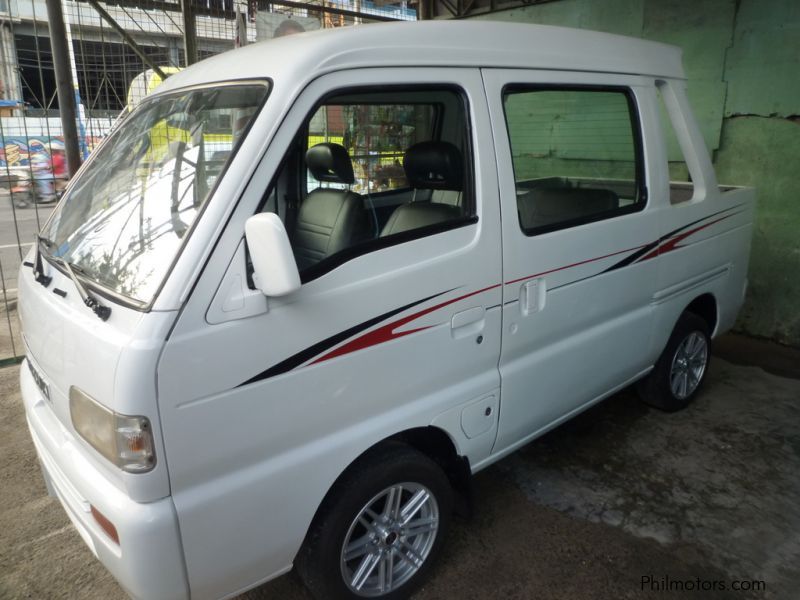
(435, 43)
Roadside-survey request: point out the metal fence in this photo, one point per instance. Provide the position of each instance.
(118, 52)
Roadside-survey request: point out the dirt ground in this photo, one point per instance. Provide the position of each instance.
(621, 493)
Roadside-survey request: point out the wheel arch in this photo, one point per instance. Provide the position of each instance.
(437, 445)
(705, 307)
(434, 443)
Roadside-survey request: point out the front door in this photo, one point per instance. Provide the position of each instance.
(388, 191)
(576, 313)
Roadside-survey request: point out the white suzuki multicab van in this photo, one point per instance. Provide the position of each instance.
(310, 286)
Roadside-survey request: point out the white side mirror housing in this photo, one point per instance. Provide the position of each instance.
(274, 266)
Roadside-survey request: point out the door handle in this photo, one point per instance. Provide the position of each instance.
(532, 296)
(468, 322)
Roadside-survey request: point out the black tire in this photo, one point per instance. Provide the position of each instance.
(319, 562)
(656, 389)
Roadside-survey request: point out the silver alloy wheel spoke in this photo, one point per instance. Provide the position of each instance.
(419, 526)
(387, 565)
(694, 345)
(393, 501)
(366, 524)
(388, 507)
(409, 553)
(688, 345)
(412, 506)
(358, 548)
(390, 539)
(365, 570)
(382, 573)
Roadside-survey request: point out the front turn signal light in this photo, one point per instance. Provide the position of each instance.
(127, 441)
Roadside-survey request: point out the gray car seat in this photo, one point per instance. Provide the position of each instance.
(429, 166)
(329, 220)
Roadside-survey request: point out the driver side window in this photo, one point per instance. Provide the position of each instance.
(374, 168)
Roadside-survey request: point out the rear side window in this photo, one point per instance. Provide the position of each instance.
(576, 155)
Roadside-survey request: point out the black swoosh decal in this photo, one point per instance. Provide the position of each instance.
(632, 257)
(651, 246)
(305, 355)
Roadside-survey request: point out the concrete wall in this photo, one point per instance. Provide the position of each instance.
(742, 59)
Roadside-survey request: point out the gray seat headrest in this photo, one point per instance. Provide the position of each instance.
(434, 166)
(330, 162)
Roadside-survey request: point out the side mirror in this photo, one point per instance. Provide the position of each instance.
(275, 269)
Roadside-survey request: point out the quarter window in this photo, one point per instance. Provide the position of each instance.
(576, 156)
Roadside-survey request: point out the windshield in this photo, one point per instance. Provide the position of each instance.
(124, 219)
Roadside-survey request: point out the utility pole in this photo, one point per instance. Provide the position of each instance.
(65, 87)
(189, 32)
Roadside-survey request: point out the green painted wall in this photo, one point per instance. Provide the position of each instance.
(556, 133)
(742, 59)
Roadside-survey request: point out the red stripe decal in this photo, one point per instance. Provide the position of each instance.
(583, 262)
(387, 332)
(672, 243)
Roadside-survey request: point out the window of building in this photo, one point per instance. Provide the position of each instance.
(576, 155)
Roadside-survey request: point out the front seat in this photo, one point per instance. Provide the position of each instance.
(328, 220)
(429, 166)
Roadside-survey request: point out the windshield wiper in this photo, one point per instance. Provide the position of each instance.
(102, 311)
(38, 268)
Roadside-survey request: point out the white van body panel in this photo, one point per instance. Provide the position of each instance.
(482, 333)
(114, 361)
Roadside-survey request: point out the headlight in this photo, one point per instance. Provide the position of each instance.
(125, 441)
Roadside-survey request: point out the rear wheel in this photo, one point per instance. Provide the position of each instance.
(681, 369)
(381, 529)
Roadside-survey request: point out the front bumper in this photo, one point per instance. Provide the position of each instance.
(148, 562)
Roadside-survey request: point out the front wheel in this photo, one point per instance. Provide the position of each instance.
(681, 369)
(381, 528)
